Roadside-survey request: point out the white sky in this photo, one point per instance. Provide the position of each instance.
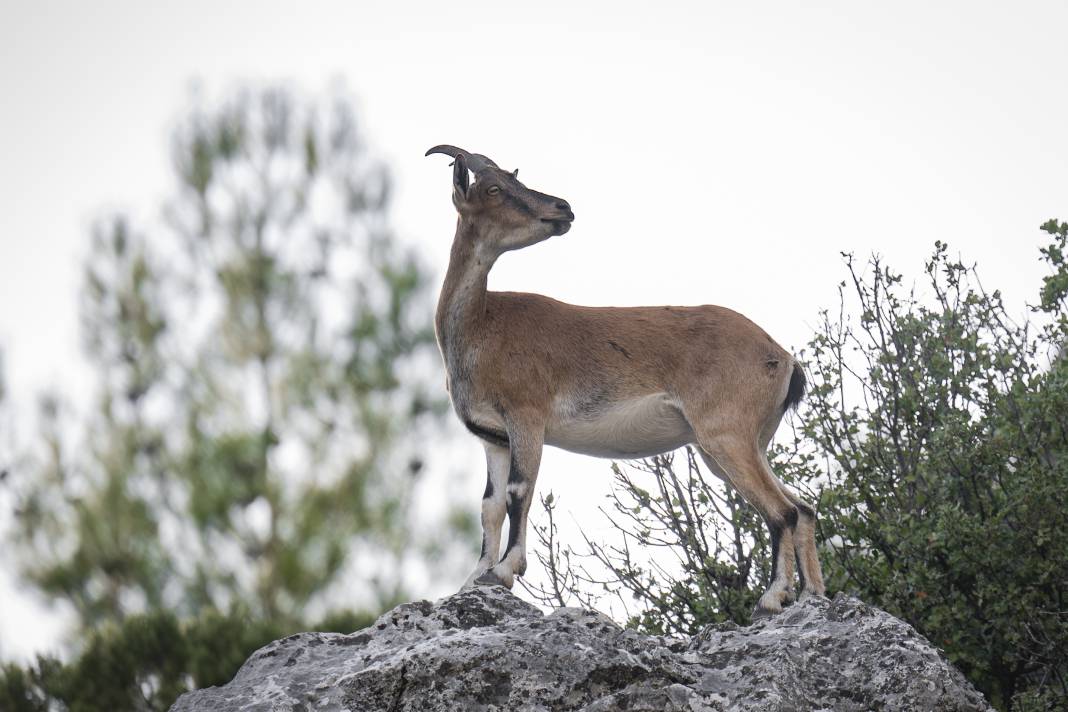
(713, 152)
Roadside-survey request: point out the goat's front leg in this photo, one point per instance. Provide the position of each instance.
(494, 500)
(526, 445)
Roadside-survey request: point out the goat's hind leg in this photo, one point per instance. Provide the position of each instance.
(806, 556)
(744, 468)
(808, 560)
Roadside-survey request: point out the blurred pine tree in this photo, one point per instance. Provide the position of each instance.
(267, 375)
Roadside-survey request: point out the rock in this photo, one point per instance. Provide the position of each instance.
(483, 649)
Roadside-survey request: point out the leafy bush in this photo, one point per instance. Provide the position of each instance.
(934, 441)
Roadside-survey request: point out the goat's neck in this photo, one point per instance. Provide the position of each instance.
(462, 303)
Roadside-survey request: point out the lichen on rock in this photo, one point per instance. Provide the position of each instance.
(485, 650)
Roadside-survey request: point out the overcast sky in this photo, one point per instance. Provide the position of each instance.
(713, 152)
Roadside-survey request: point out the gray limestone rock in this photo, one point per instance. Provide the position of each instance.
(483, 649)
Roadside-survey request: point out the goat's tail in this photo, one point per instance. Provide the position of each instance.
(796, 391)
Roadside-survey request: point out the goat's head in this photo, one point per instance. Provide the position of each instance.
(505, 213)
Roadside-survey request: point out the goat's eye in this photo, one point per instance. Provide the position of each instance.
(493, 190)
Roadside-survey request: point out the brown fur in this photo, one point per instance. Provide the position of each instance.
(531, 347)
(526, 370)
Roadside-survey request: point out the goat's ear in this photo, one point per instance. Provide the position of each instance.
(460, 178)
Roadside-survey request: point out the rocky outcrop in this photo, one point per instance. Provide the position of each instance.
(484, 649)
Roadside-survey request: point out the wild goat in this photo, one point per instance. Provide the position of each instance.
(525, 371)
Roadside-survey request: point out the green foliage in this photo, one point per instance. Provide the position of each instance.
(688, 553)
(945, 430)
(934, 440)
(147, 661)
(265, 367)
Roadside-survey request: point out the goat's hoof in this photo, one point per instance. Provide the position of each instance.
(471, 580)
(760, 613)
(766, 607)
(491, 579)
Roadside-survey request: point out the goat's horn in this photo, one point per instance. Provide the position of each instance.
(475, 161)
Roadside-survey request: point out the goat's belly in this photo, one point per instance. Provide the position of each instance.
(641, 427)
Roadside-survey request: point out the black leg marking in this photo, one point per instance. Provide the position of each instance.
(486, 495)
(776, 535)
(515, 504)
(790, 520)
(515, 507)
(776, 527)
(810, 514)
(515, 476)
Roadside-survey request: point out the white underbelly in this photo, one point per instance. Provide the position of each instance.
(640, 427)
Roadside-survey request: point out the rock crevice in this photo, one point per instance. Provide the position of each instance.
(485, 650)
